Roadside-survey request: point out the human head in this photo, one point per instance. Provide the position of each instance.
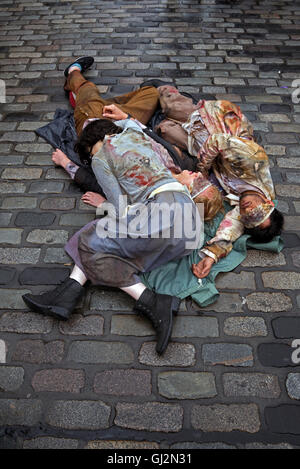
(202, 192)
(91, 134)
(212, 199)
(265, 235)
(260, 217)
(174, 104)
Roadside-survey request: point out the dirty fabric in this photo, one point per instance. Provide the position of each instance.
(118, 260)
(215, 117)
(238, 164)
(133, 178)
(176, 277)
(141, 103)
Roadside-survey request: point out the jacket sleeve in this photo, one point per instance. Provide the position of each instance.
(111, 187)
(214, 145)
(230, 229)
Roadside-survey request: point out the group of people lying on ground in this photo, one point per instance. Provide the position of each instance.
(133, 173)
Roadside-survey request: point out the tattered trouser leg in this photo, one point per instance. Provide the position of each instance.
(140, 104)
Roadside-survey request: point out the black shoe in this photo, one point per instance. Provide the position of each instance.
(156, 83)
(85, 63)
(58, 303)
(159, 309)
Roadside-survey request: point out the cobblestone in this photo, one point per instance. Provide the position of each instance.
(227, 354)
(150, 416)
(227, 379)
(11, 378)
(83, 415)
(251, 384)
(245, 326)
(58, 380)
(226, 418)
(186, 385)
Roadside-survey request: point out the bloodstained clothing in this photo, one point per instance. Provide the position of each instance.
(239, 165)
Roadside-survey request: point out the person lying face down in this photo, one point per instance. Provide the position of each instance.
(188, 125)
(241, 166)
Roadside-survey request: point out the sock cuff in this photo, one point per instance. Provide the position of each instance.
(76, 64)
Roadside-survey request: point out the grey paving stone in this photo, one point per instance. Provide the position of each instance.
(227, 303)
(256, 258)
(45, 442)
(107, 300)
(19, 255)
(251, 384)
(58, 203)
(20, 411)
(283, 419)
(34, 219)
(186, 385)
(6, 275)
(83, 325)
(281, 280)
(177, 354)
(149, 416)
(268, 302)
(78, 414)
(242, 280)
(24, 323)
(275, 354)
(121, 444)
(38, 351)
(244, 326)
(129, 382)
(130, 324)
(11, 377)
(226, 418)
(10, 235)
(46, 187)
(47, 237)
(100, 352)
(22, 173)
(5, 219)
(189, 326)
(78, 219)
(12, 187)
(193, 445)
(58, 380)
(19, 202)
(293, 385)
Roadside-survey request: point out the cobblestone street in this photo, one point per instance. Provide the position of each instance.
(228, 378)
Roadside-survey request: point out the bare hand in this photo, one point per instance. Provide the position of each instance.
(203, 267)
(93, 198)
(59, 158)
(113, 112)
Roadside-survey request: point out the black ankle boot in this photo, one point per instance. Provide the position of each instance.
(58, 303)
(159, 310)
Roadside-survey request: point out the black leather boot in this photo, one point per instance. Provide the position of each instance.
(159, 310)
(58, 303)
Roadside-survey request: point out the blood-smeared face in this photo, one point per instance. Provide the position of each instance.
(255, 210)
(174, 104)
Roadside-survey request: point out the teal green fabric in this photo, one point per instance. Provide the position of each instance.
(176, 277)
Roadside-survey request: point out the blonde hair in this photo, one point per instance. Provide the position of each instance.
(212, 205)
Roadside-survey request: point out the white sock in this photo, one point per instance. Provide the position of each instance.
(78, 275)
(135, 290)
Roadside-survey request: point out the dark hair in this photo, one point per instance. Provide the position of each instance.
(91, 134)
(265, 235)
